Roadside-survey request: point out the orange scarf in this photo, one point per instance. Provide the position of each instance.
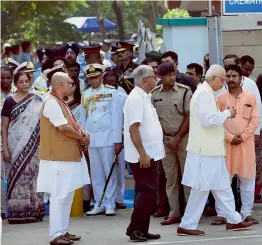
(66, 107)
(72, 118)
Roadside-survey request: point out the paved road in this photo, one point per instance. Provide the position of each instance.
(101, 230)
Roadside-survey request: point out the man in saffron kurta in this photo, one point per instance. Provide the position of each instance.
(239, 137)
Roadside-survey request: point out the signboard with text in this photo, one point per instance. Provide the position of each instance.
(237, 7)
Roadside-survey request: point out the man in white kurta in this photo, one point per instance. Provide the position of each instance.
(205, 168)
(60, 178)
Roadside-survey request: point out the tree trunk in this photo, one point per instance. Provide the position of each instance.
(95, 6)
(119, 20)
(153, 16)
(102, 29)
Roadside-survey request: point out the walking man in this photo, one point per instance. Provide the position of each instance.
(205, 168)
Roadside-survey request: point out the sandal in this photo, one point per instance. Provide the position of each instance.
(251, 219)
(219, 221)
(210, 211)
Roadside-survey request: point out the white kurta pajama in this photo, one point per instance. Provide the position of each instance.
(60, 179)
(205, 173)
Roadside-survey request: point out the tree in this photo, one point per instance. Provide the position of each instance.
(119, 19)
(41, 22)
(97, 8)
(172, 14)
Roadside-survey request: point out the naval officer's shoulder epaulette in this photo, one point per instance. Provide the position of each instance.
(156, 88)
(41, 90)
(109, 86)
(183, 86)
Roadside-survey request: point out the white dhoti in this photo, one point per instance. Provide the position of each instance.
(101, 161)
(247, 192)
(61, 179)
(204, 174)
(121, 171)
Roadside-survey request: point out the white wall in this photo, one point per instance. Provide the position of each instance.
(189, 42)
(244, 43)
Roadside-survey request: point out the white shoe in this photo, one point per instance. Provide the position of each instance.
(96, 211)
(110, 212)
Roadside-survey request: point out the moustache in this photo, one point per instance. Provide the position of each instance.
(230, 82)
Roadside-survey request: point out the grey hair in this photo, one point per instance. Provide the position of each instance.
(142, 72)
(213, 71)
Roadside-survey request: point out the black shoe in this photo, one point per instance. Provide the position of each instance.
(86, 206)
(128, 231)
(150, 236)
(3, 216)
(136, 236)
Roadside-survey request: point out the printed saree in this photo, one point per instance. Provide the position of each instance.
(25, 205)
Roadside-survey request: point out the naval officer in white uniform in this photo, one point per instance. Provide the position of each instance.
(111, 79)
(102, 117)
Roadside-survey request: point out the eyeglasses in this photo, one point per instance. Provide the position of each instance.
(71, 84)
(154, 76)
(223, 79)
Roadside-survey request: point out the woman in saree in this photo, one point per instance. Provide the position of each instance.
(20, 137)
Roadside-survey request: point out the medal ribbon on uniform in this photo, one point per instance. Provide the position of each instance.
(94, 98)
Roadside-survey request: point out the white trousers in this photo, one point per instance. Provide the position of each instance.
(59, 214)
(196, 204)
(121, 171)
(247, 192)
(101, 161)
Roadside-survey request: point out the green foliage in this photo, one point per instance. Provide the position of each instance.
(43, 21)
(39, 21)
(176, 13)
(173, 14)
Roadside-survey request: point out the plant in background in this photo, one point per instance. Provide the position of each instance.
(173, 14)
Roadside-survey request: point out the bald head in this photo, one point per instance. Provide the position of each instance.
(58, 78)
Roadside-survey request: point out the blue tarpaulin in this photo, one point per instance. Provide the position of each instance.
(90, 24)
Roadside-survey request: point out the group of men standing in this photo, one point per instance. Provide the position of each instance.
(101, 128)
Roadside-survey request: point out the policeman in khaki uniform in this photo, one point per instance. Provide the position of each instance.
(172, 102)
(102, 117)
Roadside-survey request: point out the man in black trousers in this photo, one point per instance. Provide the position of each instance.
(143, 139)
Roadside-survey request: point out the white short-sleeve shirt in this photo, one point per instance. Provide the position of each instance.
(139, 109)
